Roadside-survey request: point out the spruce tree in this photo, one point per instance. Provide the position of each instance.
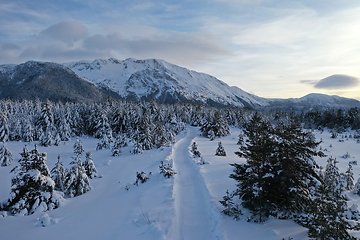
(4, 128)
(349, 176)
(32, 188)
(58, 174)
(78, 147)
(220, 151)
(76, 180)
(279, 169)
(253, 183)
(326, 218)
(230, 208)
(6, 157)
(194, 150)
(28, 131)
(89, 166)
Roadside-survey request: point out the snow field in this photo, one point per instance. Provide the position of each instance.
(184, 207)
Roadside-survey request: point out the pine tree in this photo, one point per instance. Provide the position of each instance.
(216, 127)
(326, 218)
(279, 169)
(46, 139)
(78, 147)
(166, 170)
(194, 150)
(64, 130)
(252, 179)
(28, 131)
(6, 157)
(76, 180)
(230, 208)
(4, 128)
(58, 174)
(220, 151)
(89, 166)
(116, 147)
(349, 176)
(105, 141)
(138, 148)
(32, 188)
(46, 125)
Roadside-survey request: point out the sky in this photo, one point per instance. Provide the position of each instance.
(270, 48)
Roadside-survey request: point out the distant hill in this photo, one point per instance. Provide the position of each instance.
(44, 80)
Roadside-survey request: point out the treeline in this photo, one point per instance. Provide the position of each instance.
(148, 124)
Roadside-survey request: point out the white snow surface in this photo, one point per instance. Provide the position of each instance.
(184, 207)
(142, 78)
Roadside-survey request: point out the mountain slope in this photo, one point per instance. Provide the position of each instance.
(44, 80)
(313, 100)
(156, 79)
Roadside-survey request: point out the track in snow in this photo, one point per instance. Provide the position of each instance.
(195, 216)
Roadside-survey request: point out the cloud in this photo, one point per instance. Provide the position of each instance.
(67, 31)
(337, 81)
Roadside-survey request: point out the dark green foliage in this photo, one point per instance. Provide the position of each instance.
(279, 170)
(326, 216)
(230, 208)
(166, 170)
(194, 150)
(141, 177)
(220, 151)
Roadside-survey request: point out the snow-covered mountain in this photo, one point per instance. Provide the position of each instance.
(314, 100)
(44, 80)
(157, 79)
(133, 79)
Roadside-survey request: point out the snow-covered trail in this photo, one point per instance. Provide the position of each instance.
(195, 215)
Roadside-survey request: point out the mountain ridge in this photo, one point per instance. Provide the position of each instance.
(132, 79)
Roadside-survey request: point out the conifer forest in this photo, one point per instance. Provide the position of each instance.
(277, 175)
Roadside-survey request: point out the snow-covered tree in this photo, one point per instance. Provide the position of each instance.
(220, 151)
(46, 138)
(230, 208)
(4, 128)
(64, 130)
(194, 150)
(89, 166)
(45, 124)
(117, 145)
(326, 218)
(76, 180)
(216, 127)
(105, 140)
(58, 174)
(32, 188)
(28, 131)
(138, 148)
(78, 147)
(166, 169)
(279, 169)
(6, 158)
(349, 177)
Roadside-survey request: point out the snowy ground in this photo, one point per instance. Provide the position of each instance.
(184, 207)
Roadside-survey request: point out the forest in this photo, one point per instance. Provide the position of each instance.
(279, 178)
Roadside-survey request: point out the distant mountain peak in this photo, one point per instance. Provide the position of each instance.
(157, 79)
